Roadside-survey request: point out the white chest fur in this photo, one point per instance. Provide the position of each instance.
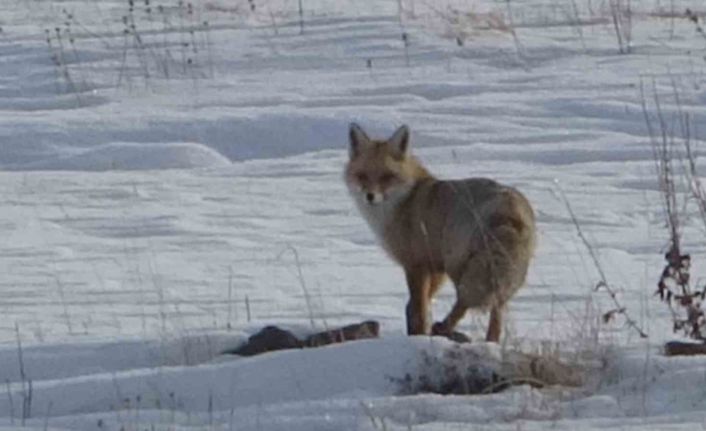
(380, 215)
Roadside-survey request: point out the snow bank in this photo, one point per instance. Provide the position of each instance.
(135, 156)
(338, 378)
(354, 385)
(366, 367)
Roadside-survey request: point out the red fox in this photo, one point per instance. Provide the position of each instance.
(477, 232)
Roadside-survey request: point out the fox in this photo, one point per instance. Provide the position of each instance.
(475, 231)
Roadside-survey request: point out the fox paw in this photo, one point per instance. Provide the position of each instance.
(442, 330)
(439, 328)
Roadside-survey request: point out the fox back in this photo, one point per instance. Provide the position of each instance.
(460, 223)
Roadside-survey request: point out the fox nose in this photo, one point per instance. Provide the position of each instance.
(370, 197)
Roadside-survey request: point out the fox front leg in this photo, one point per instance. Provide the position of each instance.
(411, 316)
(418, 310)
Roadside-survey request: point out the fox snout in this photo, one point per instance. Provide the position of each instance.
(373, 188)
(369, 195)
(373, 198)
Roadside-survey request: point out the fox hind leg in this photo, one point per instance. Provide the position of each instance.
(447, 326)
(472, 290)
(495, 324)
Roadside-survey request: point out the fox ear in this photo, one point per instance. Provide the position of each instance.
(357, 138)
(400, 140)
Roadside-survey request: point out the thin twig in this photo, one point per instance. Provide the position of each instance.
(302, 282)
(603, 283)
(229, 324)
(10, 401)
(301, 17)
(518, 46)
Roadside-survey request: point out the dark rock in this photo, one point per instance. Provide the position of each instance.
(358, 331)
(270, 338)
(679, 348)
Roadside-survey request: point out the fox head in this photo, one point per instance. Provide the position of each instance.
(378, 170)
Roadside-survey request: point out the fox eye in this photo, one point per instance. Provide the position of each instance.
(363, 178)
(387, 178)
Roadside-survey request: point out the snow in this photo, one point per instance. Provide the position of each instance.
(136, 156)
(155, 212)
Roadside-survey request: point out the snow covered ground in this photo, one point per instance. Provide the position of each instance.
(170, 182)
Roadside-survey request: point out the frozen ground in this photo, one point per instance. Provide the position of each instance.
(162, 198)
